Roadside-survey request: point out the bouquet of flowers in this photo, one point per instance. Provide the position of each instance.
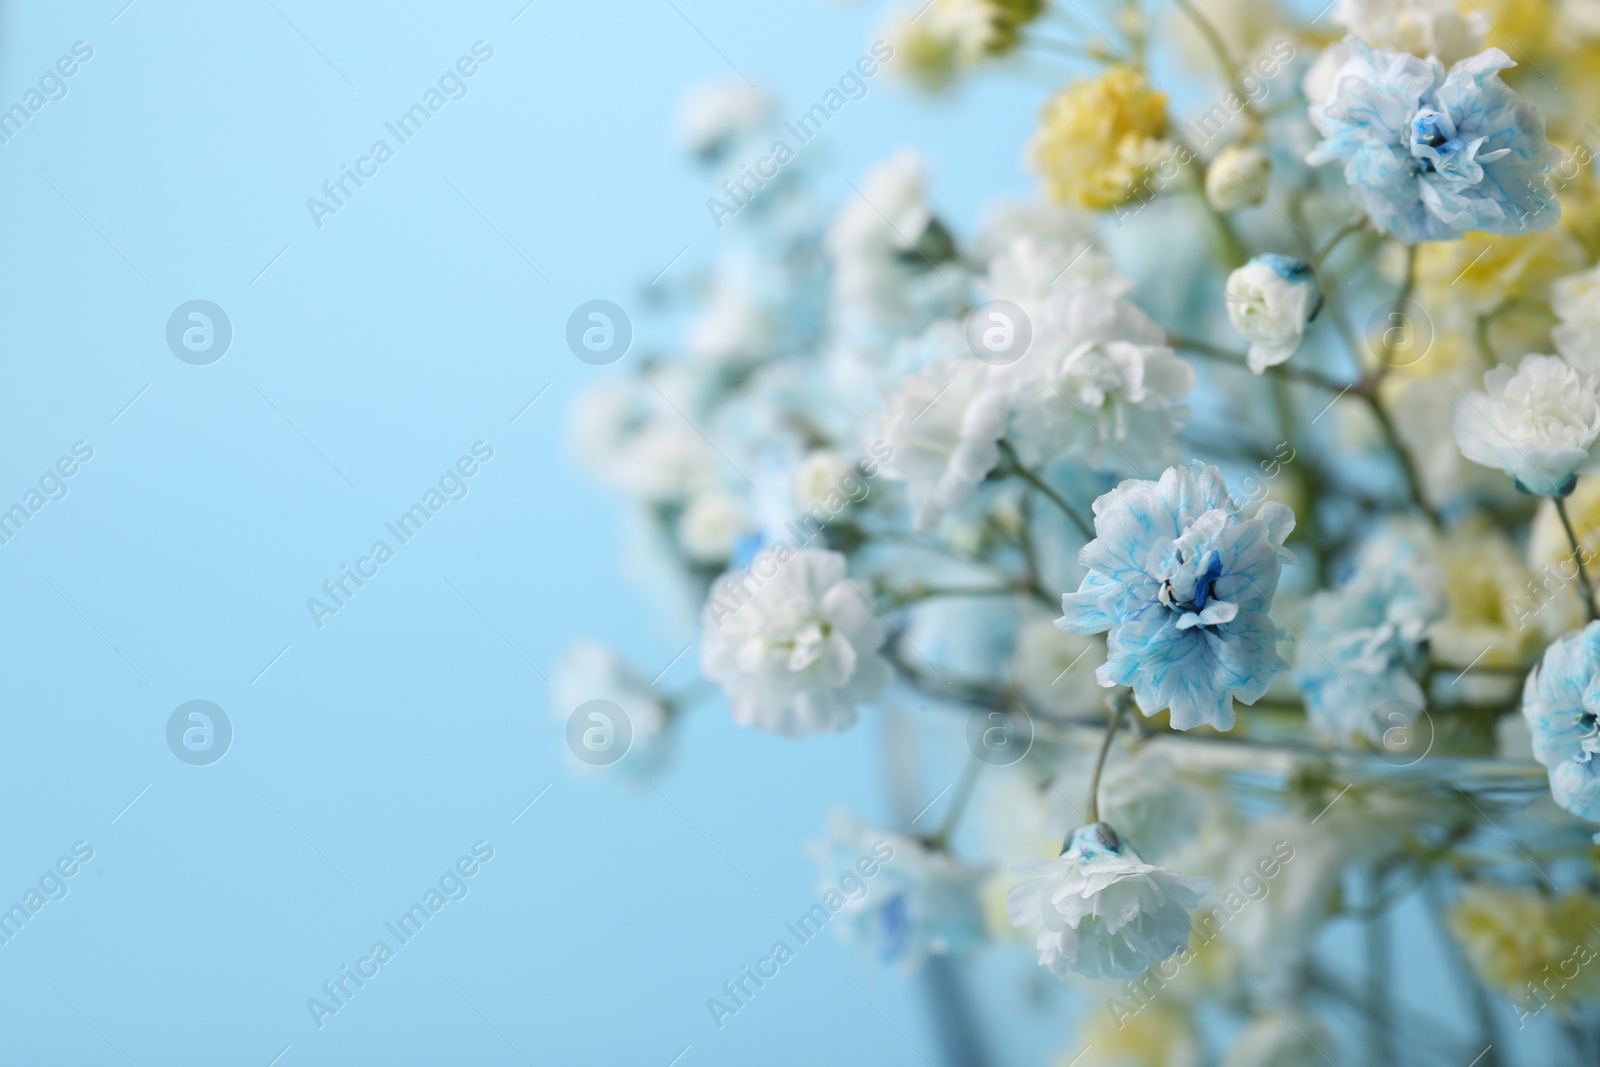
(1231, 499)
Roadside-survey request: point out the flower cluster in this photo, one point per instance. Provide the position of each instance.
(964, 480)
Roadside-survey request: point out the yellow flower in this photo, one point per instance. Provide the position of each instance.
(1538, 951)
(939, 41)
(1158, 1035)
(1494, 617)
(1482, 271)
(1098, 140)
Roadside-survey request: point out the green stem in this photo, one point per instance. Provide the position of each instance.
(1119, 708)
(1283, 370)
(1219, 48)
(958, 803)
(1333, 242)
(1408, 467)
(1577, 557)
(1038, 483)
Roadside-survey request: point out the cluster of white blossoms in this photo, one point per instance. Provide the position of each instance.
(1221, 527)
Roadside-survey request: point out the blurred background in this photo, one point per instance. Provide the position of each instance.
(370, 349)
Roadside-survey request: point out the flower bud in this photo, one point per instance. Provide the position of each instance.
(1237, 178)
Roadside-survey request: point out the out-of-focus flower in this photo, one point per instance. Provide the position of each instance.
(711, 527)
(938, 41)
(1101, 911)
(1422, 27)
(1270, 300)
(821, 479)
(1533, 948)
(1536, 422)
(923, 902)
(1485, 294)
(715, 115)
(1098, 140)
(943, 424)
(1056, 670)
(1238, 178)
(890, 254)
(793, 644)
(1184, 583)
(1431, 155)
(1162, 1034)
(1561, 701)
(1498, 614)
(1361, 649)
(1576, 301)
(1292, 1039)
(589, 670)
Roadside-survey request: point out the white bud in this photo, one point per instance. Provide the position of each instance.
(1237, 178)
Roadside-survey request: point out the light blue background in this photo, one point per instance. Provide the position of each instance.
(376, 750)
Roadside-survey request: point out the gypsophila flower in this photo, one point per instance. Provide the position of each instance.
(1537, 422)
(940, 40)
(1360, 652)
(792, 643)
(1102, 911)
(1237, 178)
(1431, 155)
(1422, 27)
(1561, 701)
(943, 424)
(923, 902)
(589, 670)
(1270, 300)
(716, 115)
(1184, 583)
(1098, 140)
(1576, 301)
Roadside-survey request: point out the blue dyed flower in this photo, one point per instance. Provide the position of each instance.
(1184, 583)
(899, 895)
(1361, 651)
(1431, 155)
(1561, 701)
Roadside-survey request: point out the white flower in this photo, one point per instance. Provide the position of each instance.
(1270, 300)
(943, 425)
(1535, 422)
(1101, 910)
(885, 244)
(1576, 301)
(715, 115)
(821, 479)
(589, 670)
(792, 643)
(1112, 404)
(1237, 178)
(1421, 27)
(1098, 383)
(711, 526)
